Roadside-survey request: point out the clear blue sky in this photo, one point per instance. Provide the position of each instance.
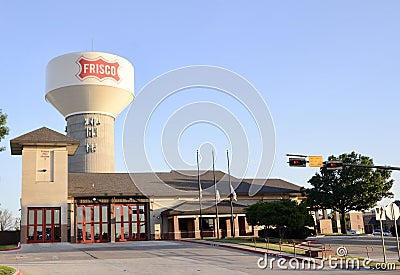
(328, 70)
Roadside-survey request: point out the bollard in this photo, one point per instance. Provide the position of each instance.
(366, 248)
(294, 249)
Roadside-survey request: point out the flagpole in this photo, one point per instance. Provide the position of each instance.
(200, 195)
(231, 198)
(216, 199)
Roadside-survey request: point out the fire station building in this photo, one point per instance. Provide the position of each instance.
(61, 206)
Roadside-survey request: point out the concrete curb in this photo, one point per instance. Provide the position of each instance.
(17, 272)
(12, 248)
(247, 250)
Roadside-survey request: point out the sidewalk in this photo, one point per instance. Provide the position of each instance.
(256, 250)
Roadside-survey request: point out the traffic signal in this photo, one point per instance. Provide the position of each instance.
(297, 162)
(333, 165)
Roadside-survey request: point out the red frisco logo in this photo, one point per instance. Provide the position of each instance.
(98, 68)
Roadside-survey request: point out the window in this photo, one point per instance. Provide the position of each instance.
(208, 224)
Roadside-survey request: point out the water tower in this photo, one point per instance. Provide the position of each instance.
(90, 89)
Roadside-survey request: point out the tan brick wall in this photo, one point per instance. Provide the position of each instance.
(44, 193)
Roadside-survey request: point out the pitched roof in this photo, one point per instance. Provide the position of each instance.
(192, 208)
(43, 136)
(187, 181)
(167, 184)
(101, 184)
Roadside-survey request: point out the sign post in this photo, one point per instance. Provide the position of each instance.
(380, 215)
(393, 213)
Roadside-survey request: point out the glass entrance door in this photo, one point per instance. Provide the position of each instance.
(92, 223)
(130, 222)
(44, 224)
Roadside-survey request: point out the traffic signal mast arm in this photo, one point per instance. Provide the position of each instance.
(296, 155)
(372, 166)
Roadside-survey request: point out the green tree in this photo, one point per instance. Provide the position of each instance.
(3, 128)
(351, 188)
(285, 215)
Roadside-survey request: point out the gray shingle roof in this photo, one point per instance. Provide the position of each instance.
(182, 181)
(192, 208)
(43, 136)
(101, 184)
(179, 183)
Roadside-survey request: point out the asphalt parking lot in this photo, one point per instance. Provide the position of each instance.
(151, 257)
(147, 257)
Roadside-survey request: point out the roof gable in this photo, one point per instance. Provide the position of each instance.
(43, 136)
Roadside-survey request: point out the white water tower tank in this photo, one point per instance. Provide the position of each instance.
(90, 89)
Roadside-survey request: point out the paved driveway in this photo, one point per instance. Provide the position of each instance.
(149, 257)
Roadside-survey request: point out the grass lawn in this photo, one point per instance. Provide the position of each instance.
(287, 247)
(6, 270)
(6, 246)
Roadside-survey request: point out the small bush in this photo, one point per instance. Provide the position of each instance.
(300, 233)
(6, 270)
